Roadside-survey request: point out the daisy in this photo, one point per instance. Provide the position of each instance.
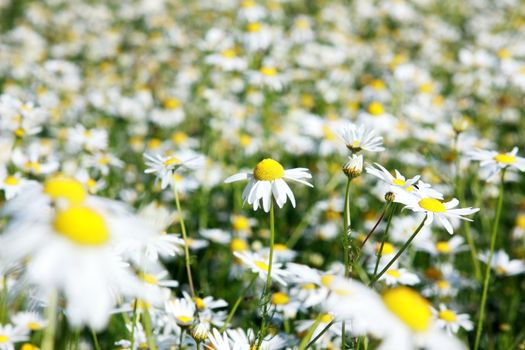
(450, 247)
(181, 310)
(165, 166)
(450, 320)
(394, 276)
(496, 162)
(435, 209)
(359, 138)
(503, 265)
(31, 321)
(259, 265)
(266, 180)
(10, 335)
(397, 181)
(12, 184)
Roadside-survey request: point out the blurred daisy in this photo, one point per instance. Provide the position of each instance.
(10, 335)
(259, 265)
(31, 321)
(359, 138)
(450, 320)
(181, 310)
(394, 276)
(503, 265)
(495, 162)
(266, 180)
(165, 166)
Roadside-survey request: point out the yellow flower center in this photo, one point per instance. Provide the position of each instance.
(34, 326)
(280, 298)
(248, 3)
(171, 161)
(309, 286)
(326, 280)
(388, 248)
(447, 315)
(66, 188)
(399, 182)
(184, 319)
(82, 225)
(268, 71)
(171, 103)
(326, 318)
(148, 278)
(20, 132)
(394, 273)
(328, 133)
(505, 158)
(33, 166)
(3, 338)
(241, 223)
(433, 205)
(443, 247)
(245, 140)
(268, 170)
(520, 221)
(253, 27)
(28, 346)
(443, 284)
(230, 53)
(376, 108)
(199, 303)
(179, 137)
(238, 245)
(378, 84)
(409, 306)
(262, 265)
(11, 181)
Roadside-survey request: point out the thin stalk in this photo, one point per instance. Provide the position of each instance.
(185, 238)
(346, 228)
(48, 343)
(95, 340)
(403, 248)
(304, 342)
(385, 236)
(266, 293)
(385, 208)
(134, 321)
(488, 269)
(147, 327)
(237, 303)
(323, 331)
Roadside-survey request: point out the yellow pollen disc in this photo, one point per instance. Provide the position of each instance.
(388, 248)
(443, 284)
(409, 188)
(179, 137)
(248, 3)
(20, 132)
(171, 103)
(326, 280)
(11, 180)
(433, 205)
(268, 170)
(520, 221)
(154, 143)
(104, 160)
(34, 166)
(238, 245)
(280, 298)
(241, 223)
(326, 318)
(28, 346)
(253, 27)
(171, 161)
(394, 273)
(4, 338)
(148, 278)
(443, 247)
(230, 53)
(500, 270)
(66, 188)
(409, 306)
(377, 84)
(309, 286)
(245, 140)
(262, 265)
(199, 303)
(184, 319)
(34, 326)
(376, 108)
(82, 225)
(280, 247)
(302, 24)
(505, 158)
(328, 133)
(447, 315)
(331, 214)
(399, 182)
(504, 53)
(268, 71)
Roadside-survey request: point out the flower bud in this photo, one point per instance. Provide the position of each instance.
(354, 166)
(199, 332)
(390, 196)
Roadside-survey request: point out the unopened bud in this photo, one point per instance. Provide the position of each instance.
(354, 166)
(390, 196)
(200, 332)
(460, 124)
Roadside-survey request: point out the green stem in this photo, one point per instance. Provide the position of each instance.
(266, 292)
(48, 343)
(488, 269)
(185, 238)
(312, 342)
(304, 342)
(237, 303)
(147, 327)
(403, 248)
(385, 236)
(385, 208)
(134, 321)
(346, 228)
(95, 340)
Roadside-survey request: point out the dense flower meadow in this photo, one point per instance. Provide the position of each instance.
(262, 174)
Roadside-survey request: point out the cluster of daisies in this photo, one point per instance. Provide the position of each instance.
(261, 174)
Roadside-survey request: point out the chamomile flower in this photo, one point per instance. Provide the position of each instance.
(32, 321)
(397, 181)
(267, 180)
(503, 265)
(181, 310)
(164, 167)
(10, 335)
(495, 162)
(259, 265)
(357, 138)
(450, 320)
(394, 276)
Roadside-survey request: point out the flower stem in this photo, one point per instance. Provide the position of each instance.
(385, 208)
(185, 238)
(346, 229)
(403, 248)
(48, 343)
(237, 303)
(488, 270)
(304, 342)
(385, 236)
(266, 293)
(147, 327)
(95, 340)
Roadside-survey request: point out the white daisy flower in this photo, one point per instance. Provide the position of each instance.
(10, 335)
(181, 310)
(165, 166)
(32, 321)
(259, 265)
(495, 162)
(394, 276)
(359, 138)
(450, 320)
(266, 180)
(503, 265)
(398, 181)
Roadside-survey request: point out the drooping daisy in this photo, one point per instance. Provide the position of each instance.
(495, 162)
(267, 180)
(359, 138)
(450, 320)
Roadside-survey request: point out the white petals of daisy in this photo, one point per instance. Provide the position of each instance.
(359, 138)
(494, 162)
